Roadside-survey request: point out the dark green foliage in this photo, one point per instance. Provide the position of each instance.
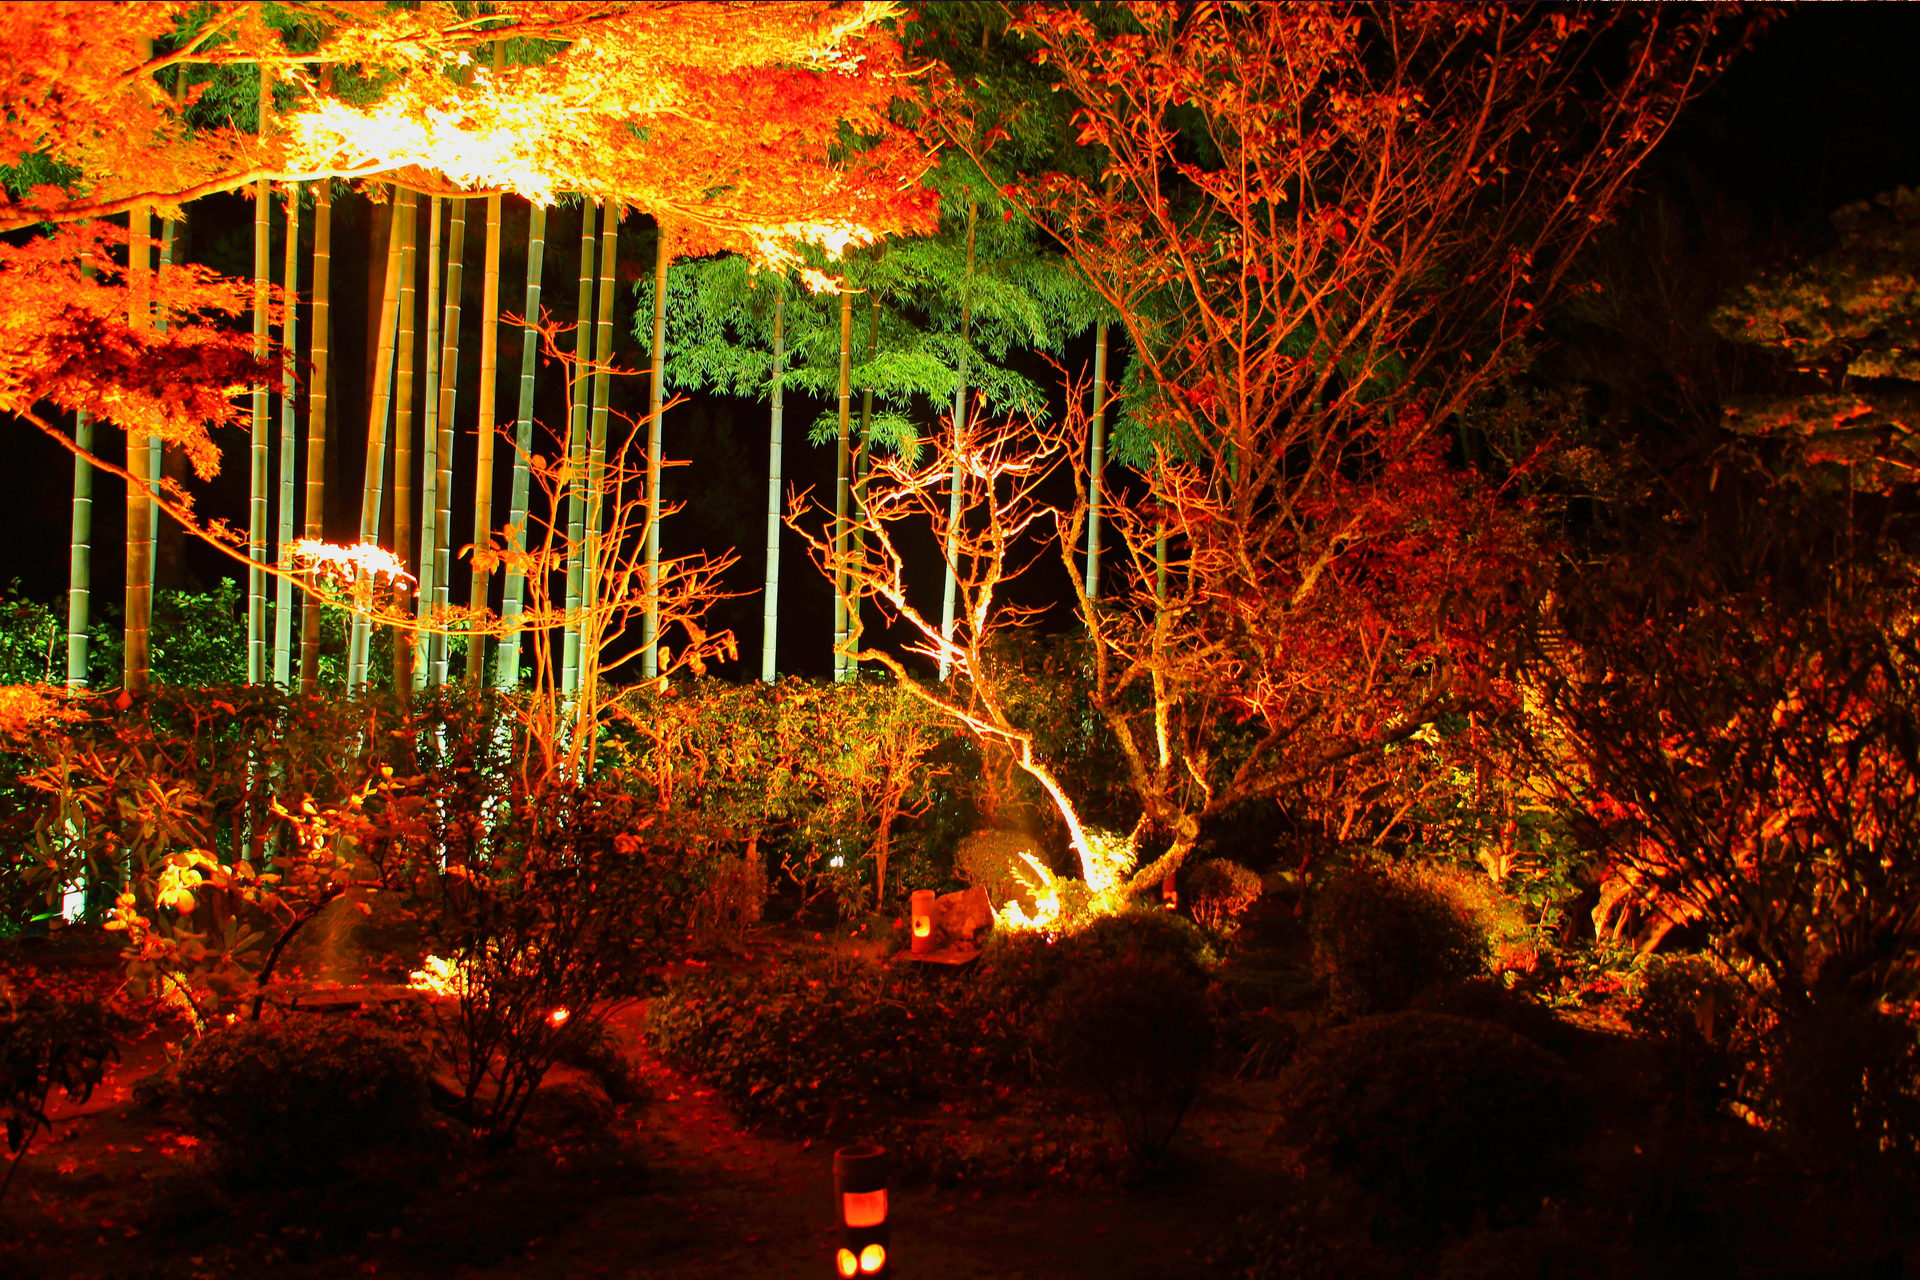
(48, 1044)
(287, 1102)
(199, 639)
(1441, 1117)
(1558, 1246)
(32, 642)
(1486, 1000)
(1219, 890)
(835, 1049)
(1024, 968)
(845, 1048)
(813, 772)
(1134, 1032)
(1700, 1019)
(1845, 1084)
(1380, 938)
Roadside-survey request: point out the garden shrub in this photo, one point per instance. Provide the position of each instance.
(48, 1043)
(1442, 1117)
(1699, 1018)
(289, 1101)
(1844, 1081)
(1022, 968)
(1133, 1031)
(537, 924)
(1486, 1000)
(822, 1048)
(1220, 890)
(1380, 937)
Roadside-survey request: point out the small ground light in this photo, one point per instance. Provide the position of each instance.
(920, 911)
(860, 1200)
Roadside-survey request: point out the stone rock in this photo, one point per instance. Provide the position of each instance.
(958, 917)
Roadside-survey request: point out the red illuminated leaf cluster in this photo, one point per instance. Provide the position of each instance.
(73, 344)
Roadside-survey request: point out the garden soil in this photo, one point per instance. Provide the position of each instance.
(118, 1191)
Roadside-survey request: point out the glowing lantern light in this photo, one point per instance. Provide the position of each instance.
(920, 908)
(860, 1195)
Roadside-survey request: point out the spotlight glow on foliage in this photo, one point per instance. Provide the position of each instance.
(357, 568)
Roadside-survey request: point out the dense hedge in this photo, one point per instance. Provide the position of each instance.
(289, 1101)
(1442, 1117)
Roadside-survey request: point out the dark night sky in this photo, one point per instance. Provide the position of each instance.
(1823, 110)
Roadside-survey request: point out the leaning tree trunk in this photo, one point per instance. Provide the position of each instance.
(379, 405)
(513, 588)
(289, 434)
(483, 439)
(952, 548)
(841, 461)
(770, 606)
(316, 496)
(443, 445)
(1096, 464)
(578, 394)
(404, 656)
(261, 441)
(597, 461)
(656, 441)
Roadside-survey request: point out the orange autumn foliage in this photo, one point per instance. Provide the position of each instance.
(725, 119)
(70, 342)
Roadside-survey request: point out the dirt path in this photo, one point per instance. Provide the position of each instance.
(725, 1202)
(704, 1200)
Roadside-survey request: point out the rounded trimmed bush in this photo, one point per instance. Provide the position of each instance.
(1380, 938)
(1442, 1117)
(288, 1101)
(1134, 1032)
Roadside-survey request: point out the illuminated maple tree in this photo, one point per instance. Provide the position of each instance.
(1327, 228)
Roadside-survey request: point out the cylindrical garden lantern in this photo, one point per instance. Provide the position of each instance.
(860, 1200)
(920, 914)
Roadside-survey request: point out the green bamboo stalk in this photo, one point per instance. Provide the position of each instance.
(513, 589)
(577, 410)
(443, 450)
(862, 463)
(404, 391)
(770, 604)
(261, 442)
(842, 461)
(950, 588)
(483, 437)
(168, 228)
(80, 544)
(1097, 463)
(597, 450)
(316, 496)
(430, 469)
(289, 436)
(379, 407)
(656, 442)
(136, 636)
